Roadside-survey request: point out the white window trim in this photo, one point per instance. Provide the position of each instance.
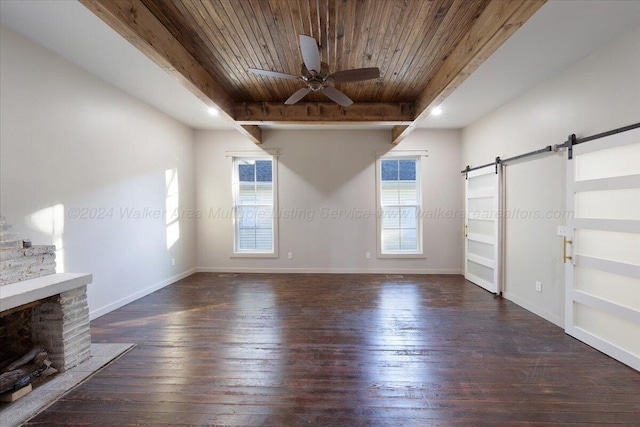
(254, 155)
(420, 172)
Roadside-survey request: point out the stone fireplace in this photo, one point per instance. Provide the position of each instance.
(45, 314)
(41, 307)
(59, 323)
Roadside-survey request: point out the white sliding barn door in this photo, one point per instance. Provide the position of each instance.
(483, 227)
(603, 246)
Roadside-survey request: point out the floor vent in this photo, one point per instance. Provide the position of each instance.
(394, 276)
(227, 275)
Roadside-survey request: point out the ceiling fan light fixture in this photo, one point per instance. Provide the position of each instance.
(315, 85)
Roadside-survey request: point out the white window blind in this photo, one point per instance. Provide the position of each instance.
(399, 206)
(254, 205)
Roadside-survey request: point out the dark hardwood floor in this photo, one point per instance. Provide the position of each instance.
(343, 350)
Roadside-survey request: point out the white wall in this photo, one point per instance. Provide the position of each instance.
(73, 147)
(322, 171)
(600, 93)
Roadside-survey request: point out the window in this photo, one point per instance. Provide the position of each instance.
(254, 206)
(399, 206)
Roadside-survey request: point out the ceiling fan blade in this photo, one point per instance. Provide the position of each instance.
(310, 53)
(273, 74)
(337, 96)
(297, 96)
(355, 75)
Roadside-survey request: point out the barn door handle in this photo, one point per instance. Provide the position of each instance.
(566, 242)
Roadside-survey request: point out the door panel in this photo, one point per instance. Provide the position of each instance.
(603, 273)
(483, 228)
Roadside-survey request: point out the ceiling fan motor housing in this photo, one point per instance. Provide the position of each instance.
(315, 80)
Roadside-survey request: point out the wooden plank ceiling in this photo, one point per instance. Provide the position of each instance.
(423, 48)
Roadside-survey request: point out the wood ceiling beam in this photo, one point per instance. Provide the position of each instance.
(254, 113)
(497, 22)
(133, 21)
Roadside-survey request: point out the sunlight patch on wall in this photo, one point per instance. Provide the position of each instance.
(172, 204)
(50, 221)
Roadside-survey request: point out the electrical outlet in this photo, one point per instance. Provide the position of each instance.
(562, 230)
(173, 261)
(290, 255)
(367, 255)
(538, 286)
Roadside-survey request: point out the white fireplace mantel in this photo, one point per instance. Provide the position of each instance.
(20, 293)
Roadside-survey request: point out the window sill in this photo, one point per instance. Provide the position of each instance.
(253, 255)
(401, 256)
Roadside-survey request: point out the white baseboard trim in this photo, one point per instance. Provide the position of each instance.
(545, 314)
(137, 295)
(328, 270)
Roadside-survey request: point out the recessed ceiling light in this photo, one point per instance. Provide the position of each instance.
(436, 111)
(213, 111)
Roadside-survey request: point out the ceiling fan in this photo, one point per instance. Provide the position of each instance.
(315, 74)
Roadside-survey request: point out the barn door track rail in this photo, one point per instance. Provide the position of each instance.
(568, 144)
